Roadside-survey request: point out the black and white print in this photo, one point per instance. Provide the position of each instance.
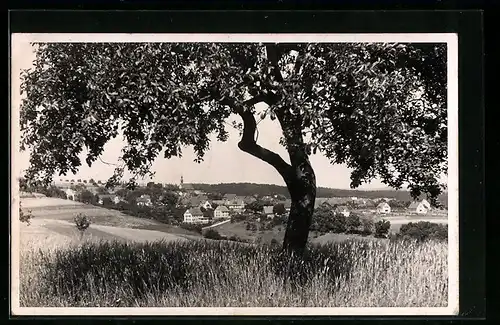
(244, 174)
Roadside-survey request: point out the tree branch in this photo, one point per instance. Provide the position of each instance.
(273, 56)
(247, 142)
(250, 146)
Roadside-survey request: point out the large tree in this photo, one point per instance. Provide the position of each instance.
(378, 108)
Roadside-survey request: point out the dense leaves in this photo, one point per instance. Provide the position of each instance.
(379, 108)
(423, 230)
(382, 228)
(279, 209)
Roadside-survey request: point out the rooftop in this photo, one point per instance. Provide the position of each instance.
(195, 211)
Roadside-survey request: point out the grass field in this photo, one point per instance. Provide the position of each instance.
(223, 274)
(126, 261)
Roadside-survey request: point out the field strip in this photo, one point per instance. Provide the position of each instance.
(129, 234)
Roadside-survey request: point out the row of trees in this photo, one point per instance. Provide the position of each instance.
(326, 220)
(217, 191)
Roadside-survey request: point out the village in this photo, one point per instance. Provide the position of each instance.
(199, 207)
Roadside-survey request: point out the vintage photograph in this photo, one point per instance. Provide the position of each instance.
(308, 174)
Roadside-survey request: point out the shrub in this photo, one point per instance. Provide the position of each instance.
(367, 225)
(25, 217)
(212, 234)
(339, 223)
(251, 226)
(239, 217)
(325, 220)
(82, 222)
(353, 223)
(423, 230)
(279, 209)
(382, 228)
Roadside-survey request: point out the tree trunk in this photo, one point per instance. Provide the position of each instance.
(302, 187)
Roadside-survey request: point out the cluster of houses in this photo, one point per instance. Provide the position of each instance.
(71, 194)
(202, 210)
(383, 207)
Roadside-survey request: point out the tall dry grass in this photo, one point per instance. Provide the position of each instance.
(225, 274)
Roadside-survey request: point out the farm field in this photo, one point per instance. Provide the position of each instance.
(53, 222)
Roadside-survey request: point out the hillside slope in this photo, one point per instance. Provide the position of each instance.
(53, 223)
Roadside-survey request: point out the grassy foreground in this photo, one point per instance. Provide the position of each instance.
(224, 274)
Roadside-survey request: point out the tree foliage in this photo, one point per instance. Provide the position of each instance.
(423, 230)
(255, 206)
(86, 197)
(353, 222)
(326, 220)
(379, 108)
(382, 228)
(279, 209)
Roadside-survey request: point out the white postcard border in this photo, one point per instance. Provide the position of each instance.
(453, 220)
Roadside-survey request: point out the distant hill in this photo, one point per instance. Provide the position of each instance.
(246, 189)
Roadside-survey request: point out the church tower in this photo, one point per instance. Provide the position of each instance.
(182, 182)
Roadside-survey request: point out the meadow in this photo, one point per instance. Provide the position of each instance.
(143, 265)
(206, 273)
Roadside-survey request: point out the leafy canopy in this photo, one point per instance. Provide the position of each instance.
(378, 108)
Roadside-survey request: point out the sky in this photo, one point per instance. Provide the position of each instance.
(223, 163)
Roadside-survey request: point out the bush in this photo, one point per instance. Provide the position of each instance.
(339, 223)
(82, 222)
(212, 234)
(325, 220)
(353, 223)
(25, 217)
(239, 217)
(424, 230)
(382, 228)
(367, 226)
(251, 226)
(279, 209)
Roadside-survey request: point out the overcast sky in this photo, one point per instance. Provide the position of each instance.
(224, 163)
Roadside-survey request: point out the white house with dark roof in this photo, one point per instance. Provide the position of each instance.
(207, 205)
(383, 207)
(236, 205)
(421, 207)
(268, 211)
(195, 215)
(221, 212)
